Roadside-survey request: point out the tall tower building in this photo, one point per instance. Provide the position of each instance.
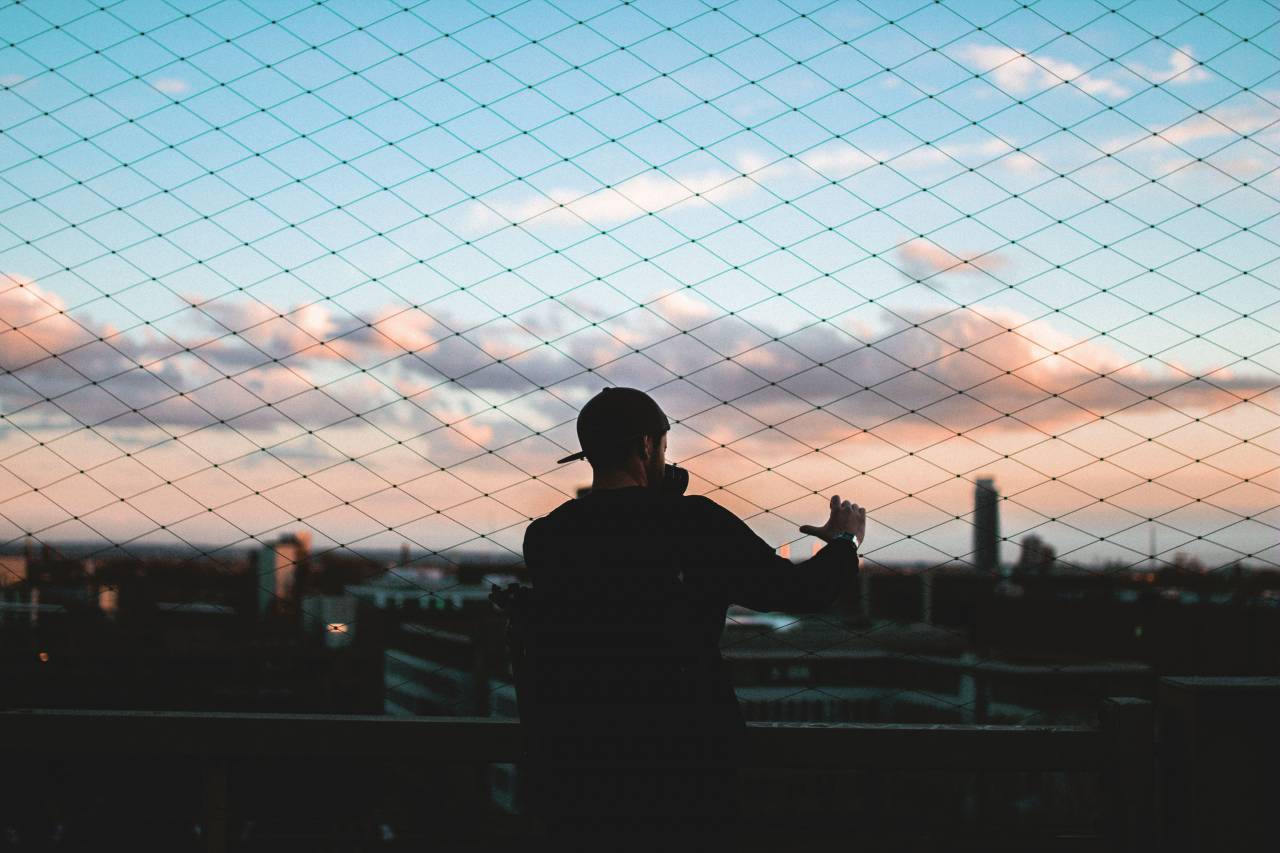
(279, 568)
(986, 526)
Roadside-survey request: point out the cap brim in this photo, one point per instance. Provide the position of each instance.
(581, 454)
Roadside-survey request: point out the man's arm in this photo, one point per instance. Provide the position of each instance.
(750, 573)
(532, 549)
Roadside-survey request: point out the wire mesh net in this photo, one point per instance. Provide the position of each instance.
(351, 268)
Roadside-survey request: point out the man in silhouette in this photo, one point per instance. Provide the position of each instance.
(634, 728)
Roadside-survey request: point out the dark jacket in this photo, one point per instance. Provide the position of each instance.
(632, 586)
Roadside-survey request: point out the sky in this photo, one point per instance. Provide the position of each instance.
(355, 266)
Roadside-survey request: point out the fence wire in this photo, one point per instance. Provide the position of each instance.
(353, 267)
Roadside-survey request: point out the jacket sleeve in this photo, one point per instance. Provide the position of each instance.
(532, 550)
(751, 574)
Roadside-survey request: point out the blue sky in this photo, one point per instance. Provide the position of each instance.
(1035, 242)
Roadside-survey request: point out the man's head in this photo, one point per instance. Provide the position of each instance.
(623, 431)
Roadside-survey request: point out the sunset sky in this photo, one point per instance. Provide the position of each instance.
(354, 267)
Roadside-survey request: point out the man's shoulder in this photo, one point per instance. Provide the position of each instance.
(702, 505)
(551, 518)
(572, 511)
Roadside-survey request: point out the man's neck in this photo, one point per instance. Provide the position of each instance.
(616, 479)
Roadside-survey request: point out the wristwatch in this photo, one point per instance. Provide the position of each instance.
(846, 535)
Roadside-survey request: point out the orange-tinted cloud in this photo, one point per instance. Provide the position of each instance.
(32, 324)
(894, 405)
(961, 369)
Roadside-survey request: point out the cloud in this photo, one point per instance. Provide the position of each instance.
(656, 191)
(651, 191)
(33, 324)
(887, 385)
(239, 361)
(1016, 72)
(984, 365)
(1229, 120)
(836, 160)
(92, 374)
(1181, 68)
(171, 85)
(922, 259)
(1255, 117)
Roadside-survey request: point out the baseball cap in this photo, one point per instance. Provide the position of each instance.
(614, 415)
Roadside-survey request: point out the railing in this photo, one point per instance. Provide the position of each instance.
(1197, 770)
(224, 745)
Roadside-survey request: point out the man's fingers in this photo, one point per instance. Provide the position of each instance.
(845, 515)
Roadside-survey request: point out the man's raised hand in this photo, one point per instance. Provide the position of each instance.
(845, 516)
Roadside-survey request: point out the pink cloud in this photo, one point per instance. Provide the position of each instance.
(971, 360)
(894, 392)
(32, 324)
(923, 259)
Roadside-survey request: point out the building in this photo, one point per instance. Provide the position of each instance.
(443, 643)
(13, 570)
(1038, 557)
(986, 526)
(332, 617)
(280, 570)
